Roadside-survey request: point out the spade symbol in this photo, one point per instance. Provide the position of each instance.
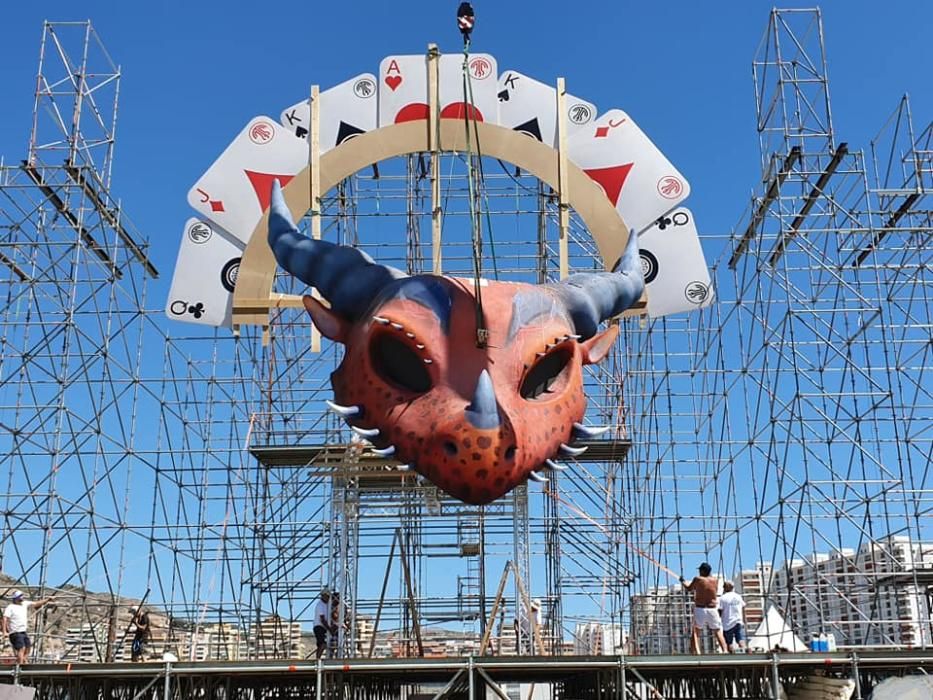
(504, 96)
(300, 132)
(347, 131)
(531, 128)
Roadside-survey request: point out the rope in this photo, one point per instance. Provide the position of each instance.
(482, 332)
(570, 506)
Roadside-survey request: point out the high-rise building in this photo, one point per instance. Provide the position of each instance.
(867, 597)
(753, 585)
(598, 638)
(276, 638)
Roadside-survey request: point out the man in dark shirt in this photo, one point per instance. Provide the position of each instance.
(141, 635)
(705, 591)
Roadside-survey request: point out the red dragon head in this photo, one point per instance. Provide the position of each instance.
(475, 420)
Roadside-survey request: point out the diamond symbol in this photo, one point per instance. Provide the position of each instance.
(602, 132)
(217, 205)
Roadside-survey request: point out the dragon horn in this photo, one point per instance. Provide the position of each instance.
(345, 276)
(593, 297)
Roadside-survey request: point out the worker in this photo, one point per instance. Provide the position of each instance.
(15, 623)
(141, 634)
(705, 591)
(732, 612)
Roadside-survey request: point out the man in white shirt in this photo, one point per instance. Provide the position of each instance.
(732, 610)
(322, 622)
(15, 623)
(524, 630)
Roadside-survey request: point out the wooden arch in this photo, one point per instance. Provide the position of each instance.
(252, 296)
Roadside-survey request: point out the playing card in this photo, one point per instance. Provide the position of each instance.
(482, 70)
(674, 265)
(530, 106)
(637, 178)
(346, 110)
(403, 89)
(205, 275)
(235, 190)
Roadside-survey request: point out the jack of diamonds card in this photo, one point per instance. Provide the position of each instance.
(235, 190)
(639, 180)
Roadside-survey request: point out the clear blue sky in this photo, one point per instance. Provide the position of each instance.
(195, 72)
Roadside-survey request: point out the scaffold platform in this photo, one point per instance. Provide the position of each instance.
(330, 455)
(567, 677)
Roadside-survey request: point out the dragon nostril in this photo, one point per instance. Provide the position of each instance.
(450, 448)
(510, 453)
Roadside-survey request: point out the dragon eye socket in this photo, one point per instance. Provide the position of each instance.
(544, 374)
(398, 364)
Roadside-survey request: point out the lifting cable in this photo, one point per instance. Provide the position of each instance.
(465, 22)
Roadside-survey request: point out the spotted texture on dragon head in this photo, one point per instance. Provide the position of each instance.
(476, 419)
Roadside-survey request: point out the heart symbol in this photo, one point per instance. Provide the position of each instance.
(393, 81)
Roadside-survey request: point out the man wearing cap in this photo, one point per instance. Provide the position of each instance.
(15, 622)
(705, 591)
(322, 622)
(141, 635)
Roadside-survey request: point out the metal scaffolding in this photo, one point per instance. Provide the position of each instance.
(792, 417)
(790, 420)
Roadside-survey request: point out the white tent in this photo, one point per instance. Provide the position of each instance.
(774, 630)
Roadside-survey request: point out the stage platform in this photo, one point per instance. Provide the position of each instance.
(719, 677)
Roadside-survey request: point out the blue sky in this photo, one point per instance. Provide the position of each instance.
(195, 73)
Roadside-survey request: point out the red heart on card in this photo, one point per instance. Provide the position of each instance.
(393, 81)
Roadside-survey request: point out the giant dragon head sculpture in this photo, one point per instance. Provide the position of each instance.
(475, 420)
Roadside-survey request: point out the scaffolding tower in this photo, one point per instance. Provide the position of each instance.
(789, 422)
(200, 471)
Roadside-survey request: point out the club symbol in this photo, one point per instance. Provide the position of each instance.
(364, 87)
(261, 133)
(199, 232)
(670, 187)
(229, 274)
(480, 68)
(579, 113)
(663, 222)
(180, 308)
(696, 292)
(649, 265)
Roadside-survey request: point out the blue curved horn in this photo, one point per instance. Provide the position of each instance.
(593, 297)
(348, 278)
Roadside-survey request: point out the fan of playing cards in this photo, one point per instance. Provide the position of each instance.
(231, 197)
